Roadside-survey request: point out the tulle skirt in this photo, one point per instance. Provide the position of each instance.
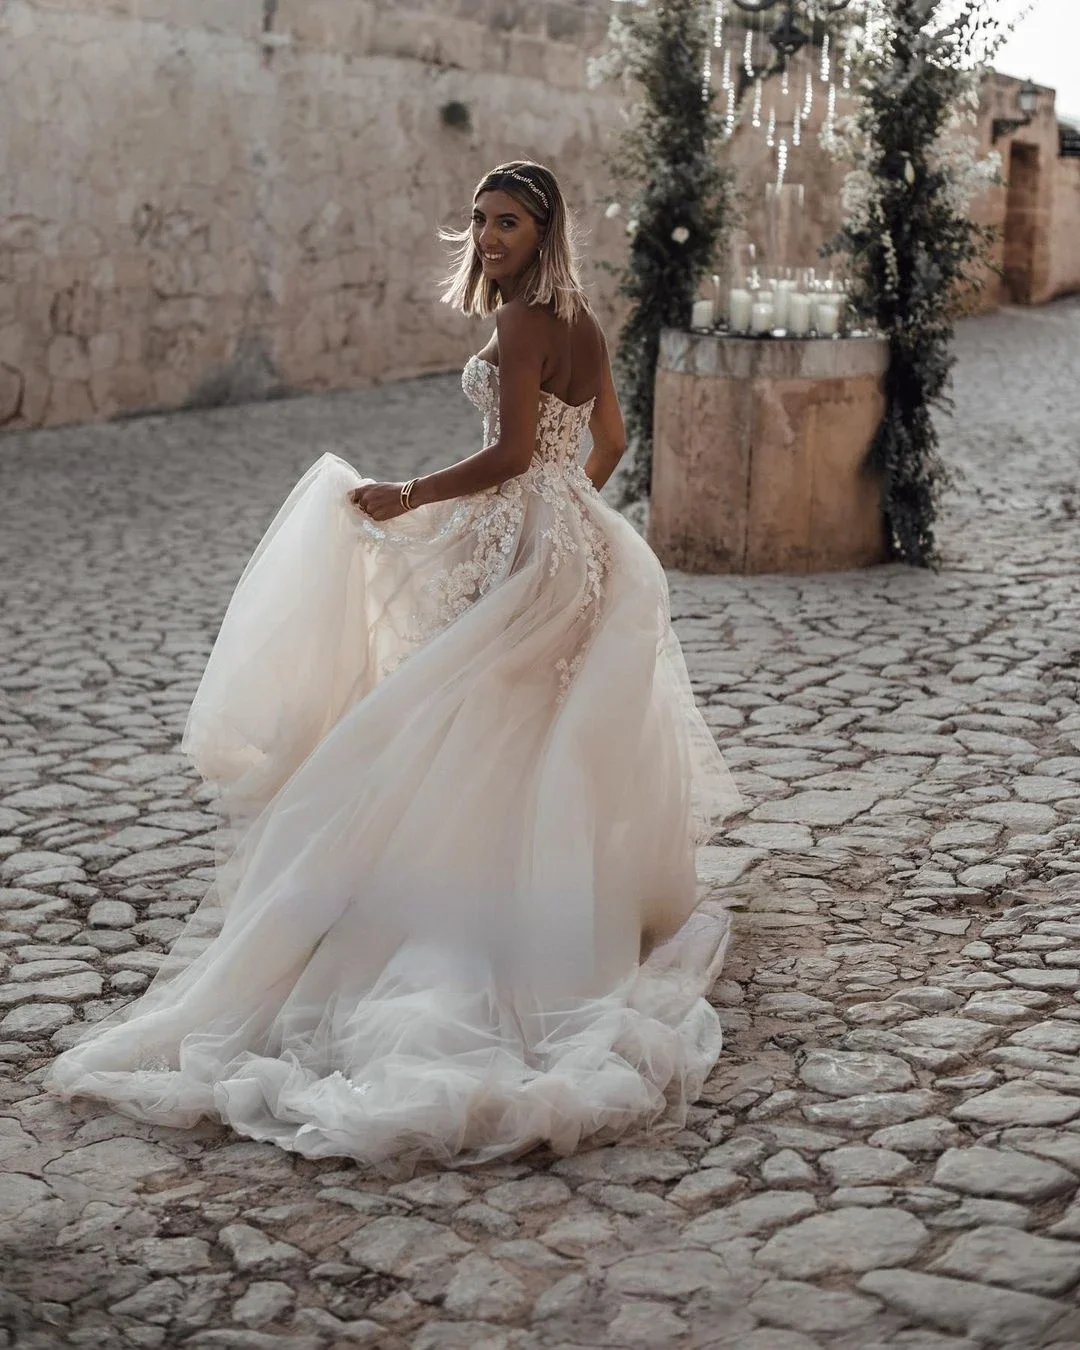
(462, 779)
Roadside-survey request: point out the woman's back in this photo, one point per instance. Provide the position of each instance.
(577, 359)
(576, 369)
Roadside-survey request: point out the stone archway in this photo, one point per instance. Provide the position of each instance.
(1021, 224)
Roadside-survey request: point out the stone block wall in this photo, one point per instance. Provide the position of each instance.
(211, 198)
(1036, 207)
(1021, 206)
(1064, 273)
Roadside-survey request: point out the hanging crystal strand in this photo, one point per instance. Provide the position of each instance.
(719, 9)
(781, 163)
(758, 93)
(808, 94)
(848, 48)
(829, 130)
(796, 126)
(727, 84)
(770, 134)
(717, 41)
(825, 63)
(785, 81)
(748, 53)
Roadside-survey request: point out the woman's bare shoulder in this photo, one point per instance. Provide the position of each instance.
(517, 320)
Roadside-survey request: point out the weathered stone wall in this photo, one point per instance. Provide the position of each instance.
(1036, 207)
(203, 199)
(1021, 206)
(187, 208)
(1064, 276)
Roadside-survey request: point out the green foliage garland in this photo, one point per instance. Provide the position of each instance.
(676, 191)
(910, 237)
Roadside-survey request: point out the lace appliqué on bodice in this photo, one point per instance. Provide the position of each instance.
(560, 426)
(557, 477)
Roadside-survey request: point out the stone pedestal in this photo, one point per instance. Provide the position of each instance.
(758, 453)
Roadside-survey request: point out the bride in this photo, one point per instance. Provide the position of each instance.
(463, 778)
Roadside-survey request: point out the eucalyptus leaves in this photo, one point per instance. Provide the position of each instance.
(677, 193)
(914, 171)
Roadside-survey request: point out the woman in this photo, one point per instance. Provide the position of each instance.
(464, 773)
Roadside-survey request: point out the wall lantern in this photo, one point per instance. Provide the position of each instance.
(1027, 100)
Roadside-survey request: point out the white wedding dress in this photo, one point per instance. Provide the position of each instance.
(464, 778)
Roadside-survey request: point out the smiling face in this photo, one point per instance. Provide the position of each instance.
(505, 235)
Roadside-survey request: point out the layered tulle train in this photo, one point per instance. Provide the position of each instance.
(462, 777)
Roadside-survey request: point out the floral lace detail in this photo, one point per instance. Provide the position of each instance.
(480, 390)
(567, 669)
(598, 559)
(559, 429)
(557, 478)
(497, 528)
(550, 482)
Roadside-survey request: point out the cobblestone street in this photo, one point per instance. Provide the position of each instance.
(888, 1152)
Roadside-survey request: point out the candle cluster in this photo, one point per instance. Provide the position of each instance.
(782, 305)
(801, 305)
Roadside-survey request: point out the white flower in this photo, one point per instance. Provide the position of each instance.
(613, 210)
(860, 197)
(631, 227)
(622, 48)
(909, 172)
(680, 234)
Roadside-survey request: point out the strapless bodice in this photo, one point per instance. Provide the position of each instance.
(560, 429)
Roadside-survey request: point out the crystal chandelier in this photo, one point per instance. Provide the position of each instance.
(809, 49)
(787, 37)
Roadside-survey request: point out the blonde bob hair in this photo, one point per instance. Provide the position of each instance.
(552, 279)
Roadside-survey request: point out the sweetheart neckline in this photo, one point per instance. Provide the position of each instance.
(574, 407)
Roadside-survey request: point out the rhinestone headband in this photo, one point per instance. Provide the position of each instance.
(512, 173)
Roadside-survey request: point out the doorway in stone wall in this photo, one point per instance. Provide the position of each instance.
(1021, 214)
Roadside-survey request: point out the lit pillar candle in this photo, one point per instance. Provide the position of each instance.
(740, 304)
(781, 306)
(798, 314)
(828, 319)
(702, 316)
(761, 317)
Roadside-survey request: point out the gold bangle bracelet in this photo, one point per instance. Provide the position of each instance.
(406, 493)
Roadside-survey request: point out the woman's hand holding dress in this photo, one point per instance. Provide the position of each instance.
(380, 501)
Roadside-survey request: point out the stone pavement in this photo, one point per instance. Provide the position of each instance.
(888, 1153)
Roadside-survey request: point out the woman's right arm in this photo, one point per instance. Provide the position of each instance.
(606, 425)
(521, 371)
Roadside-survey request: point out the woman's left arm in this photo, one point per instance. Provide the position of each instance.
(521, 360)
